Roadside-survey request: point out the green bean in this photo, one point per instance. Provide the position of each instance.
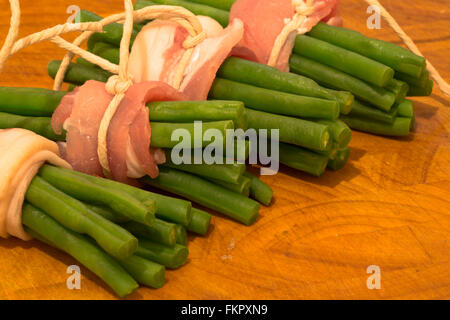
(107, 51)
(340, 160)
(387, 53)
(259, 190)
(200, 222)
(74, 215)
(171, 257)
(223, 172)
(112, 33)
(161, 231)
(300, 132)
(145, 272)
(414, 81)
(362, 110)
(34, 234)
(242, 148)
(379, 97)
(190, 111)
(263, 76)
(241, 187)
(339, 131)
(220, 4)
(345, 100)
(206, 193)
(84, 190)
(138, 26)
(31, 102)
(182, 237)
(331, 153)
(78, 74)
(108, 214)
(399, 88)
(166, 111)
(346, 61)
(274, 101)
(302, 159)
(421, 91)
(162, 133)
(406, 109)
(85, 63)
(93, 39)
(84, 251)
(167, 208)
(220, 16)
(400, 126)
(40, 125)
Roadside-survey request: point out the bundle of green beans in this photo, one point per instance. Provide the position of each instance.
(380, 75)
(305, 113)
(125, 235)
(221, 115)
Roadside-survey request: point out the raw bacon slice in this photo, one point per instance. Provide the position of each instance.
(206, 60)
(129, 133)
(131, 123)
(158, 50)
(334, 19)
(63, 111)
(22, 153)
(263, 22)
(87, 106)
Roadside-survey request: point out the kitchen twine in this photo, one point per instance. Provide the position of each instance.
(121, 81)
(302, 11)
(305, 8)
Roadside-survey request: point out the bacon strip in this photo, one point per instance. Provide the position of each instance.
(158, 49)
(263, 22)
(129, 132)
(132, 120)
(22, 153)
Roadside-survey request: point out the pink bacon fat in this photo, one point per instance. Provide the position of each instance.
(158, 49)
(128, 139)
(265, 19)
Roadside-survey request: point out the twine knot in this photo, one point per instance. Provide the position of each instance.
(116, 85)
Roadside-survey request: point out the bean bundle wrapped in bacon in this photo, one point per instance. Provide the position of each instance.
(129, 133)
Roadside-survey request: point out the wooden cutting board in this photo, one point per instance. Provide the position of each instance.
(389, 207)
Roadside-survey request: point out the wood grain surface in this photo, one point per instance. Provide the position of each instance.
(389, 207)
